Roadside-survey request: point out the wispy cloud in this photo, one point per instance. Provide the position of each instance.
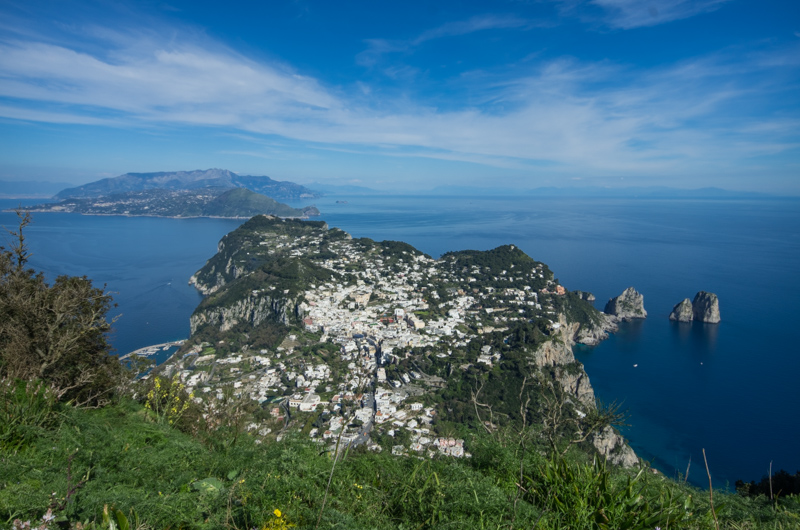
(377, 48)
(564, 114)
(627, 14)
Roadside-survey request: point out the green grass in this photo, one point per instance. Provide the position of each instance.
(168, 479)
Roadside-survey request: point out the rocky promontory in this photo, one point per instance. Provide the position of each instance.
(704, 308)
(683, 311)
(627, 306)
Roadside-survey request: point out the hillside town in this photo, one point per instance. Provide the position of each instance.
(341, 376)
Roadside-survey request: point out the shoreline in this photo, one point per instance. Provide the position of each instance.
(32, 210)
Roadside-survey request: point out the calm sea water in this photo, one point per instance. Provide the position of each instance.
(730, 388)
(145, 262)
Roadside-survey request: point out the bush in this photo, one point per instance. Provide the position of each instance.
(55, 333)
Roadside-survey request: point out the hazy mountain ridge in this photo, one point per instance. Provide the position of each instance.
(631, 192)
(187, 180)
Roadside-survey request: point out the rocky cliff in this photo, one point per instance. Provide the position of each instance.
(683, 311)
(627, 306)
(611, 445)
(252, 310)
(704, 308)
(593, 335)
(557, 357)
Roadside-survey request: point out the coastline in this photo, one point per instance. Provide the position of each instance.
(37, 210)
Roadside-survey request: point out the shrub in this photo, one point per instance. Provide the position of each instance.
(56, 332)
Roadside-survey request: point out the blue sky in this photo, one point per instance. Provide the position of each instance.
(406, 95)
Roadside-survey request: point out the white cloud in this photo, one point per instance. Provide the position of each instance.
(377, 48)
(567, 115)
(627, 14)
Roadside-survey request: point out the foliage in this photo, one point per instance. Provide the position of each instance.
(159, 477)
(167, 400)
(25, 408)
(588, 496)
(56, 333)
(576, 309)
(780, 483)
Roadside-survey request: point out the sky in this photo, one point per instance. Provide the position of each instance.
(406, 96)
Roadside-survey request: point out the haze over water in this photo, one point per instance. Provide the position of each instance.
(729, 388)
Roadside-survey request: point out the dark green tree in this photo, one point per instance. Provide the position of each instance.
(55, 333)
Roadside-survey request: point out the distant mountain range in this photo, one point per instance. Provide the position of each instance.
(205, 202)
(189, 180)
(641, 192)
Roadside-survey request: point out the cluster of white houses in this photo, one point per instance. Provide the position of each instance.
(371, 309)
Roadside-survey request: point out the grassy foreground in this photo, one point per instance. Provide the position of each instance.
(150, 475)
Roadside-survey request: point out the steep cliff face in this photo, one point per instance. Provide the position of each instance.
(705, 307)
(556, 357)
(252, 310)
(611, 445)
(593, 335)
(682, 312)
(627, 306)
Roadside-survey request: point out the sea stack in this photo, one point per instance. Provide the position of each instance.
(682, 312)
(705, 307)
(627, 306)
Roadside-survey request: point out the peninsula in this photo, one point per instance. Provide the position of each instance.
(202, 202)
(372, 343)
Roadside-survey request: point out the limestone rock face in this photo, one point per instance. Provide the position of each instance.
(575, 382)
(593, 335)
(589, 297)
(705, 307)
(682, 312)
(627, 306)
(253, 310)
(611, 445)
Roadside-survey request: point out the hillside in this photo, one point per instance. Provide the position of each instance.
(189, 180)
(427, 350)
(205, 202)
(195, 474)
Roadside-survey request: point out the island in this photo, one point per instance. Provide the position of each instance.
(627, 306)
(704, 308)
(239, 203)
(189, 180)
(353, 342)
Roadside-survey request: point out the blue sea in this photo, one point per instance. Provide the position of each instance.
(732, 389)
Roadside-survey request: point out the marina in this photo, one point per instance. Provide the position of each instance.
(149, 351)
